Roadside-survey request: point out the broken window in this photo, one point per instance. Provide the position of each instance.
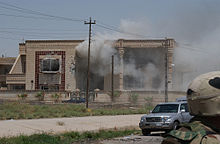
(50, 65)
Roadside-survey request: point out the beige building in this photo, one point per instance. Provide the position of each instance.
(45, 65)
(54, 65)
(6, 64)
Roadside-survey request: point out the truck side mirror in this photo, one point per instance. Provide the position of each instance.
(182, 110)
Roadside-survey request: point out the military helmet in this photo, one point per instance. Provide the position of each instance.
(203, 95)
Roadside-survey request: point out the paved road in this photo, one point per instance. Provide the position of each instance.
(59, 125)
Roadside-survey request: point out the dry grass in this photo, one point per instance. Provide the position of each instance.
(69, 137)
(28, 111)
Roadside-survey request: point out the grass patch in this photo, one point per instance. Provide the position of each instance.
(68, 138)
(18, 110)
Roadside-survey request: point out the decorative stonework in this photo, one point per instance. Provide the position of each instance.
(121, 52)
(142, 43)
(37, 67)
(121, 73)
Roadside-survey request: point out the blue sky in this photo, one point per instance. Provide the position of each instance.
(185, 20)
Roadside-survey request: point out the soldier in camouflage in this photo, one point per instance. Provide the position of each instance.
(203, 96)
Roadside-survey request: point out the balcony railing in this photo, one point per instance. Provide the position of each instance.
(15, 79)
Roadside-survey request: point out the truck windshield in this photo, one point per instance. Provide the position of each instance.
(166, 108)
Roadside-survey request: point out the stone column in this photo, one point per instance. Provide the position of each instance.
(121, 73)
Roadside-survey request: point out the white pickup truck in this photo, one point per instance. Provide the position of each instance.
(165, 117)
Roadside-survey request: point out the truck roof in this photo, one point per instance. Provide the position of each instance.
(173, 102)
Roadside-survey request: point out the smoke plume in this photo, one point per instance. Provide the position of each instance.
(197, 31)
(138, 76)
(195, 28)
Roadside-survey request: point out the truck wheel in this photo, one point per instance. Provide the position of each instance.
(145, 132)
(175, 125)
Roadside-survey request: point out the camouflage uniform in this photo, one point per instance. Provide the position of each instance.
(203, 98)
(193, 133)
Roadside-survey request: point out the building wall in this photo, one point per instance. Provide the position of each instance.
(4, 69)
(64, 48)
(17, 67)
(12, 95)
(142, 97)
(6, 64)
(108, 82)
(146, 50)
(139, 65)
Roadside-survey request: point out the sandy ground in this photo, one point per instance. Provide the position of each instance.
(60, 125)
(130, 139)
(135, 139)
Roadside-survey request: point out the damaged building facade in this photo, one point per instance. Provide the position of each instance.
(57, 65)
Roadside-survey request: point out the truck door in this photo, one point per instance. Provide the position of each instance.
(185, 115)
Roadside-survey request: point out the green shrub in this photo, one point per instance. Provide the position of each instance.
(40, 96)
(117, 93)
(56, 96)
(133, 97)
(22, 96)
(148, 101)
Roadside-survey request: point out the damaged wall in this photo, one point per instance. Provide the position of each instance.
(139, 65)
(144, 68)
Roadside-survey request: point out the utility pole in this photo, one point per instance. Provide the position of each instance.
(112, 78)
(88, 70)
(166, 70)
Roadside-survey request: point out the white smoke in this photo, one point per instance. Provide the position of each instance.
(196, 30)
(102, 50)
(135, 28)
(198, 57)
(145, 75)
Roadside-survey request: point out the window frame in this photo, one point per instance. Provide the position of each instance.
(185, 107)
(42, 69)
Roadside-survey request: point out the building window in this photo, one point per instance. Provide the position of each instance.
(131, 82)
(49, 87)
(50, 65)
(17, 87)
(44, 87)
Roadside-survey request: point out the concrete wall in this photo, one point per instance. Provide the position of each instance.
(31, 95)
(121, 97)
(142, 97)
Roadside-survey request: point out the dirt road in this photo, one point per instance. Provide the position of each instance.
(59, 125)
